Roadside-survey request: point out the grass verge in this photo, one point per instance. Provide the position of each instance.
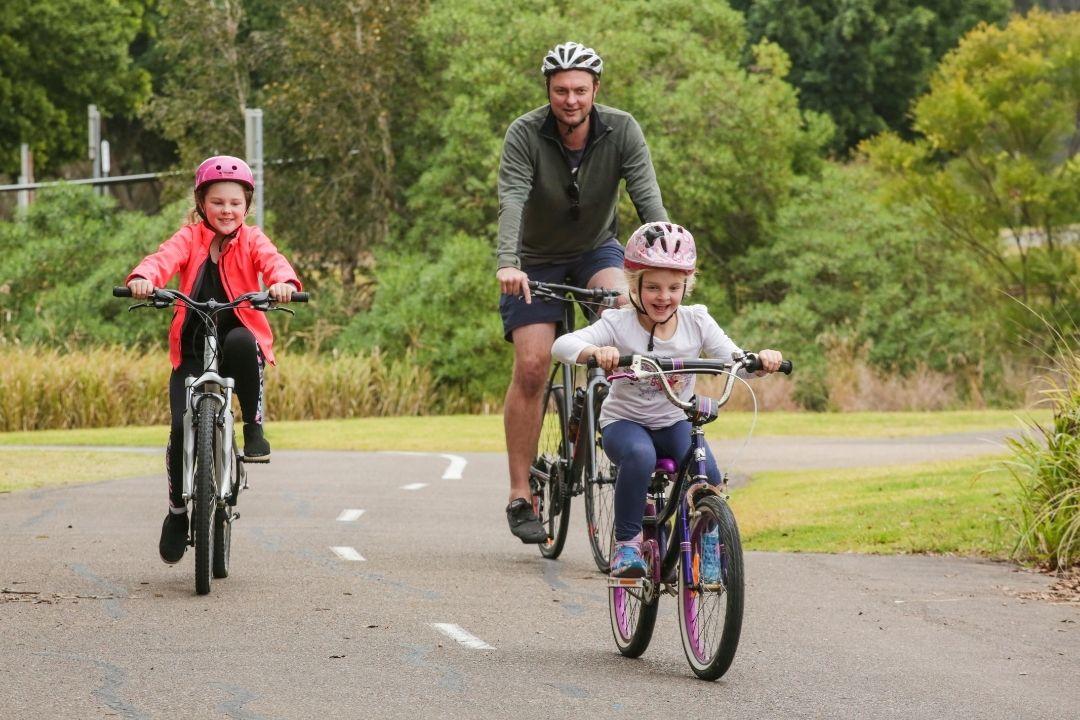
(28, 469)
(484, 433)
(958, 507)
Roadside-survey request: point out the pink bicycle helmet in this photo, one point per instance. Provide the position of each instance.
(224, 168)
(661, 245)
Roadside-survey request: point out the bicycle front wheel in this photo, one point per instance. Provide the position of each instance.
(205, 505)
(550, 485)
(711, 604)
(600, 505)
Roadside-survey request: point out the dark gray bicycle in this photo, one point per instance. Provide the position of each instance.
(214, 472)
(570, 457)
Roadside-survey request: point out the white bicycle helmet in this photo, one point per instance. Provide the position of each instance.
(571, 56)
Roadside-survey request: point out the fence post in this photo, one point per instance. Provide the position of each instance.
(94, 118)
(26, 174)
(253, 136)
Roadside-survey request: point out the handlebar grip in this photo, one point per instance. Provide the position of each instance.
(591, 363)
(626, 360)
(121, 292)
(300, 297)
(786, 367)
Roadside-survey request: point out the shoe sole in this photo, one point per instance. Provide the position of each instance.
(257, 460)
(632, 574)
(170, 562)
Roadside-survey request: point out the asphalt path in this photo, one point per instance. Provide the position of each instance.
(423, 605)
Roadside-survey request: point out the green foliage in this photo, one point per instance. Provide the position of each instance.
(56, 57)
(863, 61)
(59, 263)
(844, 270)
(1046, 464)
(443, 306)
(995, 171)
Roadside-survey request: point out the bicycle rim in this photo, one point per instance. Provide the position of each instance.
(710, 614)
(600, 506)
(205, 504)
(550, 501)
(633, 617)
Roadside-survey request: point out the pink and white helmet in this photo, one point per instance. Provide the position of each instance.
(661, 245)
(224, 168)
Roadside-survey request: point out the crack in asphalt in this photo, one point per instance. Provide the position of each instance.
(114, 679)
(112, 605)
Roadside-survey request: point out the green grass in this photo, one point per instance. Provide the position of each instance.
(957, 507)
(484, 433)
(28, 469)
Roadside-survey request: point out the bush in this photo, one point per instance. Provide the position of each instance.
(1046, 465)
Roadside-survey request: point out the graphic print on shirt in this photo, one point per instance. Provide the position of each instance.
(654, 386)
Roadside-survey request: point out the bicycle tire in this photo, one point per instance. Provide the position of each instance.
(710, 617)
(551, 499)
(600, 504)
(633, 617)
(205, 504)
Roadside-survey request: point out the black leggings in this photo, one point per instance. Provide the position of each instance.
(242, 360)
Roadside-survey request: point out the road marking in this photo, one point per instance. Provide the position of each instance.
(349, 515)
(414, 486)
(462, 636)
(453, 470)
(347, 553)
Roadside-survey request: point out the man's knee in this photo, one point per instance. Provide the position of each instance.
(530, 375)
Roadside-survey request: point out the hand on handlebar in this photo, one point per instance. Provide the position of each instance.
(514, 282)
(606, 357)
(281, 292)
(770, 361)
(140, 288)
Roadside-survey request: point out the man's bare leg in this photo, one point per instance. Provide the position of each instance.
(521, 413)
(612, 279)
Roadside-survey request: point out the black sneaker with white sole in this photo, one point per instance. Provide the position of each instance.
(256, 447)
(524, 523)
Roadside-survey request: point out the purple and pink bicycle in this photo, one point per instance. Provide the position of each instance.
(690, 538)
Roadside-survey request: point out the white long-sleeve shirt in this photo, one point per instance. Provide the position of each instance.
(644, 402)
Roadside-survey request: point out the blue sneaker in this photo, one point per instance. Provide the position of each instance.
(627, 561)
(710, 557)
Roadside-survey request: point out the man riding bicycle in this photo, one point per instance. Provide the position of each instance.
(559, 180)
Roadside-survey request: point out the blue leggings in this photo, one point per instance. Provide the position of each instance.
(635, 448)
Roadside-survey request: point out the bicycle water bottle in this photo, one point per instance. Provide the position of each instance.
(575, 413)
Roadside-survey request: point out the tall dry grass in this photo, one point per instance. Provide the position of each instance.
(102, 387)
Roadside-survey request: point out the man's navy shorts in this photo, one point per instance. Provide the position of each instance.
(577, 272)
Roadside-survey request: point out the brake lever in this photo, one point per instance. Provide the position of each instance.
(272, 308)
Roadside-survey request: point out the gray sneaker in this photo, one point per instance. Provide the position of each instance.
(524, 523)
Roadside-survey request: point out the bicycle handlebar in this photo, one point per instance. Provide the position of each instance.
(166, 295)
(750, 361)
(556, 288)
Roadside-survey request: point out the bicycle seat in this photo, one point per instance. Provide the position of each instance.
(665, 465)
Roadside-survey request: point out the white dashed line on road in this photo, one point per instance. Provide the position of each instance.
(414, 486)
(454, 469)
(462, 636)
(349, 515)
(347, 553)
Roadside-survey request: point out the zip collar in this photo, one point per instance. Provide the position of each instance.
(597, 130)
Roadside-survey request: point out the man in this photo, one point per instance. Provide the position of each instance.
(558, 193)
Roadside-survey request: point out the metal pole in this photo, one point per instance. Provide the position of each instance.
(253, 136)
(94, 118)
(26, 174)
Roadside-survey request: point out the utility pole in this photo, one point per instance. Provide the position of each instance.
(253, 136)
(26, 174)
(94, 118)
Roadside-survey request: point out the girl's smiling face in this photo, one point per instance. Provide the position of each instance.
(225, 206)
(661, 293)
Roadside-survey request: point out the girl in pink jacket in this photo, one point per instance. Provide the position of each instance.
(220, 258)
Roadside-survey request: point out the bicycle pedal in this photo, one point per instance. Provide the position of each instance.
(625, 582)
(264, 460)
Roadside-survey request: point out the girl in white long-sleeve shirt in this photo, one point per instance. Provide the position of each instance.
(637, 421)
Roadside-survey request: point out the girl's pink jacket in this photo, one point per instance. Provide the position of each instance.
(244, 258)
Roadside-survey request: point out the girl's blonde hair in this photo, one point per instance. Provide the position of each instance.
(634, 276)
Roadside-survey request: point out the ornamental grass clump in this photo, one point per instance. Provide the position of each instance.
(1046, 465)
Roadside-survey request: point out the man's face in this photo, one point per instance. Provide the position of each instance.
(572, 94)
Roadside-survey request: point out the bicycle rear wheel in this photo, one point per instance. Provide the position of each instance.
(223, 528)
(205, 504)
(550, 486)
(600, 505)
(633, 615)
(711, 608)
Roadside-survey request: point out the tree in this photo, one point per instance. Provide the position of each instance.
(995, 169)
(56, 57)
(863, 61)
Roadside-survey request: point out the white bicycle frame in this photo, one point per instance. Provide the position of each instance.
(210, 384)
